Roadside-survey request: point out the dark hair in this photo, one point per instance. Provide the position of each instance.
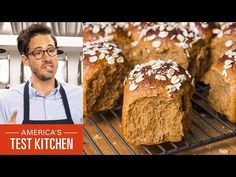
(26, 34)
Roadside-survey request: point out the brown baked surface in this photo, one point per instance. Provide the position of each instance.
(104, 70)
(108, 32)
(181, 43)
(156, 103)
(222, 80)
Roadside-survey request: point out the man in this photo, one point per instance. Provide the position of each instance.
(42, 99)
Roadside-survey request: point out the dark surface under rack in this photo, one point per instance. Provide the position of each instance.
(102, 133)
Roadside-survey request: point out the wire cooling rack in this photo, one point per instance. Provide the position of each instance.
(102, 133)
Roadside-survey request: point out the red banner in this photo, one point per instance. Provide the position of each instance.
(37, 139)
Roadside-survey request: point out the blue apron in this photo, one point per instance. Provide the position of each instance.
(26, 105)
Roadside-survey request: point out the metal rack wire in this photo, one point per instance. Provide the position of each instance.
(102, 133)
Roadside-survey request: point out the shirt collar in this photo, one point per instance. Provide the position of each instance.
(54, 92)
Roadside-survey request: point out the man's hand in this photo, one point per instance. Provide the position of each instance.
(13, 117)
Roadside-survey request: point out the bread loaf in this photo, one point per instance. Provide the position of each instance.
(165, 41)
(222, 80)
(104, 70)
(225, 39)
(108, 32)
(224, 33)
(156, 103)
(205, 31)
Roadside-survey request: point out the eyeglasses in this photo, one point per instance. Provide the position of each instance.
(39, 54)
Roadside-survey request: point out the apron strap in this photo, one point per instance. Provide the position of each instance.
(65, 103)
(26, 105)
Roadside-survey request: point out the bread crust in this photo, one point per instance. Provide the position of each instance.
(151, 86)
(186, 47)
(104, 69)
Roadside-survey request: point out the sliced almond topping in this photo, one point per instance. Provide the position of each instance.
(188, 55)
(167, 71)
(108, 29)
(169, 28)
(133, 87)
(104, 51)
(149, 38)
(184, 45)
(180, 37)
(175, 79)
(120, 60)
(163, 34)
(115, 55)
(190, 35)
(182, 77)
(175, 67)
(229, 43)
(110, 60)
(139, 78)
(220, 35)
(102, 56)
(204, 25)
(160, 77)
(149, 72)
(228, 62)
(178, 85)
(170, 88)
(162, 27)
(96, 29)
(188, 74)
(156, 66)
(91, 52)
(185, 33)
(138, 68)
(171, 71)
(224, 73)
(216, 31)
(172, 37)
(156, 44)
(93, 59)
(227, 66)
(230, 53)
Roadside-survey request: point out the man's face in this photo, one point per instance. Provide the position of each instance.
(46, 67)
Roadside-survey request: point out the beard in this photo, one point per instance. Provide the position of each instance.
(43, 75)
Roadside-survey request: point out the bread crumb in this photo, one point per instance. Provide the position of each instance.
(96, 137)
(223, 151)
(209, 147)
(228, 43)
